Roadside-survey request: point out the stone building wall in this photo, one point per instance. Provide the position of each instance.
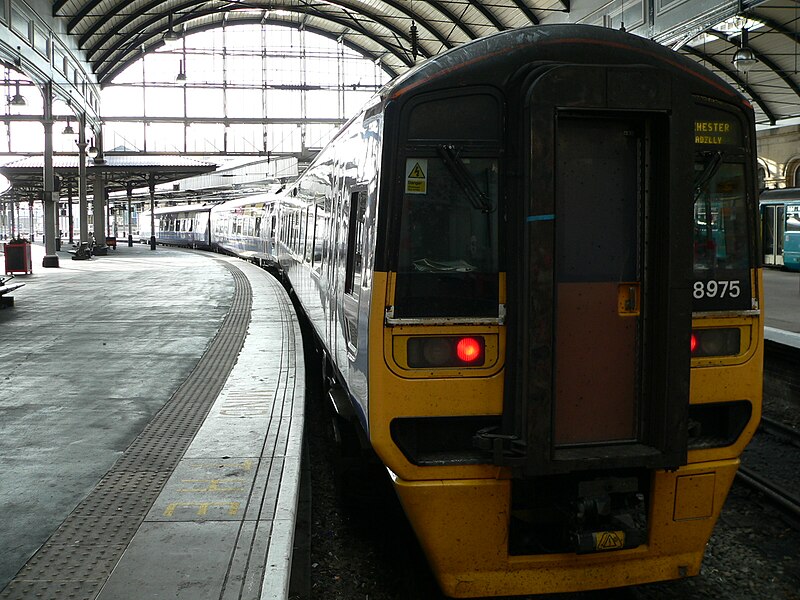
(779, 157)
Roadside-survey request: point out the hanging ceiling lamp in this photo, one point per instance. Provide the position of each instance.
(744, 58)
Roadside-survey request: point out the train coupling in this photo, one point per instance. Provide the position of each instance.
(610, 514)
(578, 513)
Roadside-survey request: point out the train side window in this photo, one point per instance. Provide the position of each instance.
(312, 229)
(355, 241)
(793, 218)
(306, 226)
(320, 234)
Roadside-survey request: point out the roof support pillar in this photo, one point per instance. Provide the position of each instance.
(49, 195)
(152, 185)
(99, 214)
(129, 191)
(83, 205)
(70, 218)
(99, 200)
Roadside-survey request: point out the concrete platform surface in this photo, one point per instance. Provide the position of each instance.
(93, 356)
(782, 300)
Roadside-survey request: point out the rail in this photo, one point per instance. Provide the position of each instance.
(773, 492)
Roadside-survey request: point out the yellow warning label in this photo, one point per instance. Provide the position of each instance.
(416, 176)
(416, 172)
(609, 540)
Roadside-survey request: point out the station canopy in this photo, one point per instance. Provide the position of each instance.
(398, 33)
(119, 173)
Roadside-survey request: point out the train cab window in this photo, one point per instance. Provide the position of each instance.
(448, 257)
(448, 237)
(722, 257)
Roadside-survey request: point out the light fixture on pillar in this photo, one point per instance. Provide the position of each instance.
(96, 154)
(18, 99)
(744, 58)
(181, 72)
(68, 130)
(171, 34)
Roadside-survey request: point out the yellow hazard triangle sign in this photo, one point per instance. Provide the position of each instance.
(416, 176)
(416, 172)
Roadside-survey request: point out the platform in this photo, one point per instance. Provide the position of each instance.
(782, 307)
(153, 414)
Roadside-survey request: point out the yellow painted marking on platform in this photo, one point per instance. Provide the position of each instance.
(202, 507)
(247, 405)
(247, 465)
(213, 485)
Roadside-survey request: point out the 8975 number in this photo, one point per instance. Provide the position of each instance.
(717, 289)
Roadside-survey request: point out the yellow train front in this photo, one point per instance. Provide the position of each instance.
(533, 264)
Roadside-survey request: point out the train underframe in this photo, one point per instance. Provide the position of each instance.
(469, 529)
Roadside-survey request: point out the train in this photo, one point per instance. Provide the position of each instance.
(532, 265)
(184, 225)
(780, 227)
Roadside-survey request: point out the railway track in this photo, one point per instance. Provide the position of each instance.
(780, 430)
(777, 494)
(779, 443)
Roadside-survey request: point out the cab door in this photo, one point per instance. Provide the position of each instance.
(599, 200)
(598, 377)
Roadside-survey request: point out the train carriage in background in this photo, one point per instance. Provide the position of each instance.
(245, 227)
(780, 227)
(184, 225)
(532, 265)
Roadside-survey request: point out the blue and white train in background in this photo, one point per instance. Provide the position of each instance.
(780, 227)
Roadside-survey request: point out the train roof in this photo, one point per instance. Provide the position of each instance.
(780, 195)
(259, 198)
(165, 210)
(495, 58)
(500, 55)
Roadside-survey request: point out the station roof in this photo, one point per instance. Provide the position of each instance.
(25, 175)
(395, 33)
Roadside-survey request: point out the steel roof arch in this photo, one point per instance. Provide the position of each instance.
(113, 31)
(733, 76)
(125, 51)
(118, 67)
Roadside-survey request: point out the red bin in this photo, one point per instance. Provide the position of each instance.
(18, 257)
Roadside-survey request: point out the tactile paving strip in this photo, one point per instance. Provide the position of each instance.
(80, 555)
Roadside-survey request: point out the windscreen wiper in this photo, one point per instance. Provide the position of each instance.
(456, 166)
(702, 178)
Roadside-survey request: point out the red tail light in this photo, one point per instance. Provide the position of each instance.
(468, 350)
(446, 351)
